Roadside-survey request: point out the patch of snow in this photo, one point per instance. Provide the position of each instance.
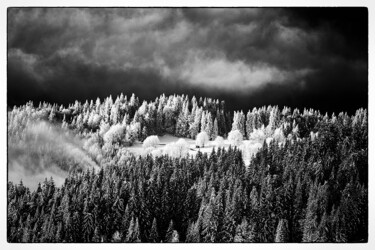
(246, 145)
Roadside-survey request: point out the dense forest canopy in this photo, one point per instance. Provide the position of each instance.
(307, 180)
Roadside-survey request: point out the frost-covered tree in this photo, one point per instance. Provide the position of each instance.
(125, 120)
(175, 237)
(182, 124)
(133, 131)
(169, 118)
(209, 127)
(79, 122)
(151, 141)
(52, 114)
(215, 131)
(257, 122)
(202, 139)
(203, 121)
(159, 118)
(194, 127)
(239, 122)
(235, 137)
(182, 147)
(273, 121)
(142, 110)
(177, 149)
(244, 233)
(249, 123)
(282, 231)
(144, 133)
(278, 135)
(134, 102)
(115, 134)
(219, 141)
(258, 135)
(115, 116)
(104, 127)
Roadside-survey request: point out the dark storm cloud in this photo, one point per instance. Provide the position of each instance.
(245, 56)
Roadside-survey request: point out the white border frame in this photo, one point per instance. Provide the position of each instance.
(370, 4)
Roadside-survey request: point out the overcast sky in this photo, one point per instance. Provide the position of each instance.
(308, 57)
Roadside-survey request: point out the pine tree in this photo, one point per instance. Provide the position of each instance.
(215, 131)
(175, 237)
(249, 124)
(209, 128)
(133, 234)
(310, 233)
(193, 233)
(59, 233)
(96, 236)
(244, 232)
(282, 231)
(239, 122)
(52, 114)
(154, 236)
(169, 235)
(203, 122)
(194, 127)
(159, 118)
(88, 226)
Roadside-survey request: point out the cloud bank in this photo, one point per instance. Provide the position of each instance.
(45, 151)
(246, 56)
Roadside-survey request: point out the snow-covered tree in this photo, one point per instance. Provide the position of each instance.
(79, 122)
(125, 120)
(134, 102)
(142, 110)
(258, 135)
(115, 114)
(209, 127)
(115, 134)
(203, 121)
(182, 124)
(182, 147)
(249, 123)
(282, 231)
(133, 131)
(249, 149)
(159, 118)
(235, 137)
(177, 149)
(219, 141)
(104, 127)
(169, 118)
(202, 139)
(215, 131)
(273, 120)
(278, 135)
(151, 141)
(52, 114)
(239, 122)
(194, 127)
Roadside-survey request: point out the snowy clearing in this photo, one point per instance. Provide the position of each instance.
(250, 147)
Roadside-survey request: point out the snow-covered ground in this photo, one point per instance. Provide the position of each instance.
(137, 147)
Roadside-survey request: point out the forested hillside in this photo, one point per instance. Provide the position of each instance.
(308, 181)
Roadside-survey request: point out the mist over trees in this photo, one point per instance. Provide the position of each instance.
(307, 180)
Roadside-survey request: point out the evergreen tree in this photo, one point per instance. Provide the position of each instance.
(282, 231)
(215, 131)
(154, 236)
(133, 234)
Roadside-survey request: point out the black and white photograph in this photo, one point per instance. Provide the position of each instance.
(187, 125)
